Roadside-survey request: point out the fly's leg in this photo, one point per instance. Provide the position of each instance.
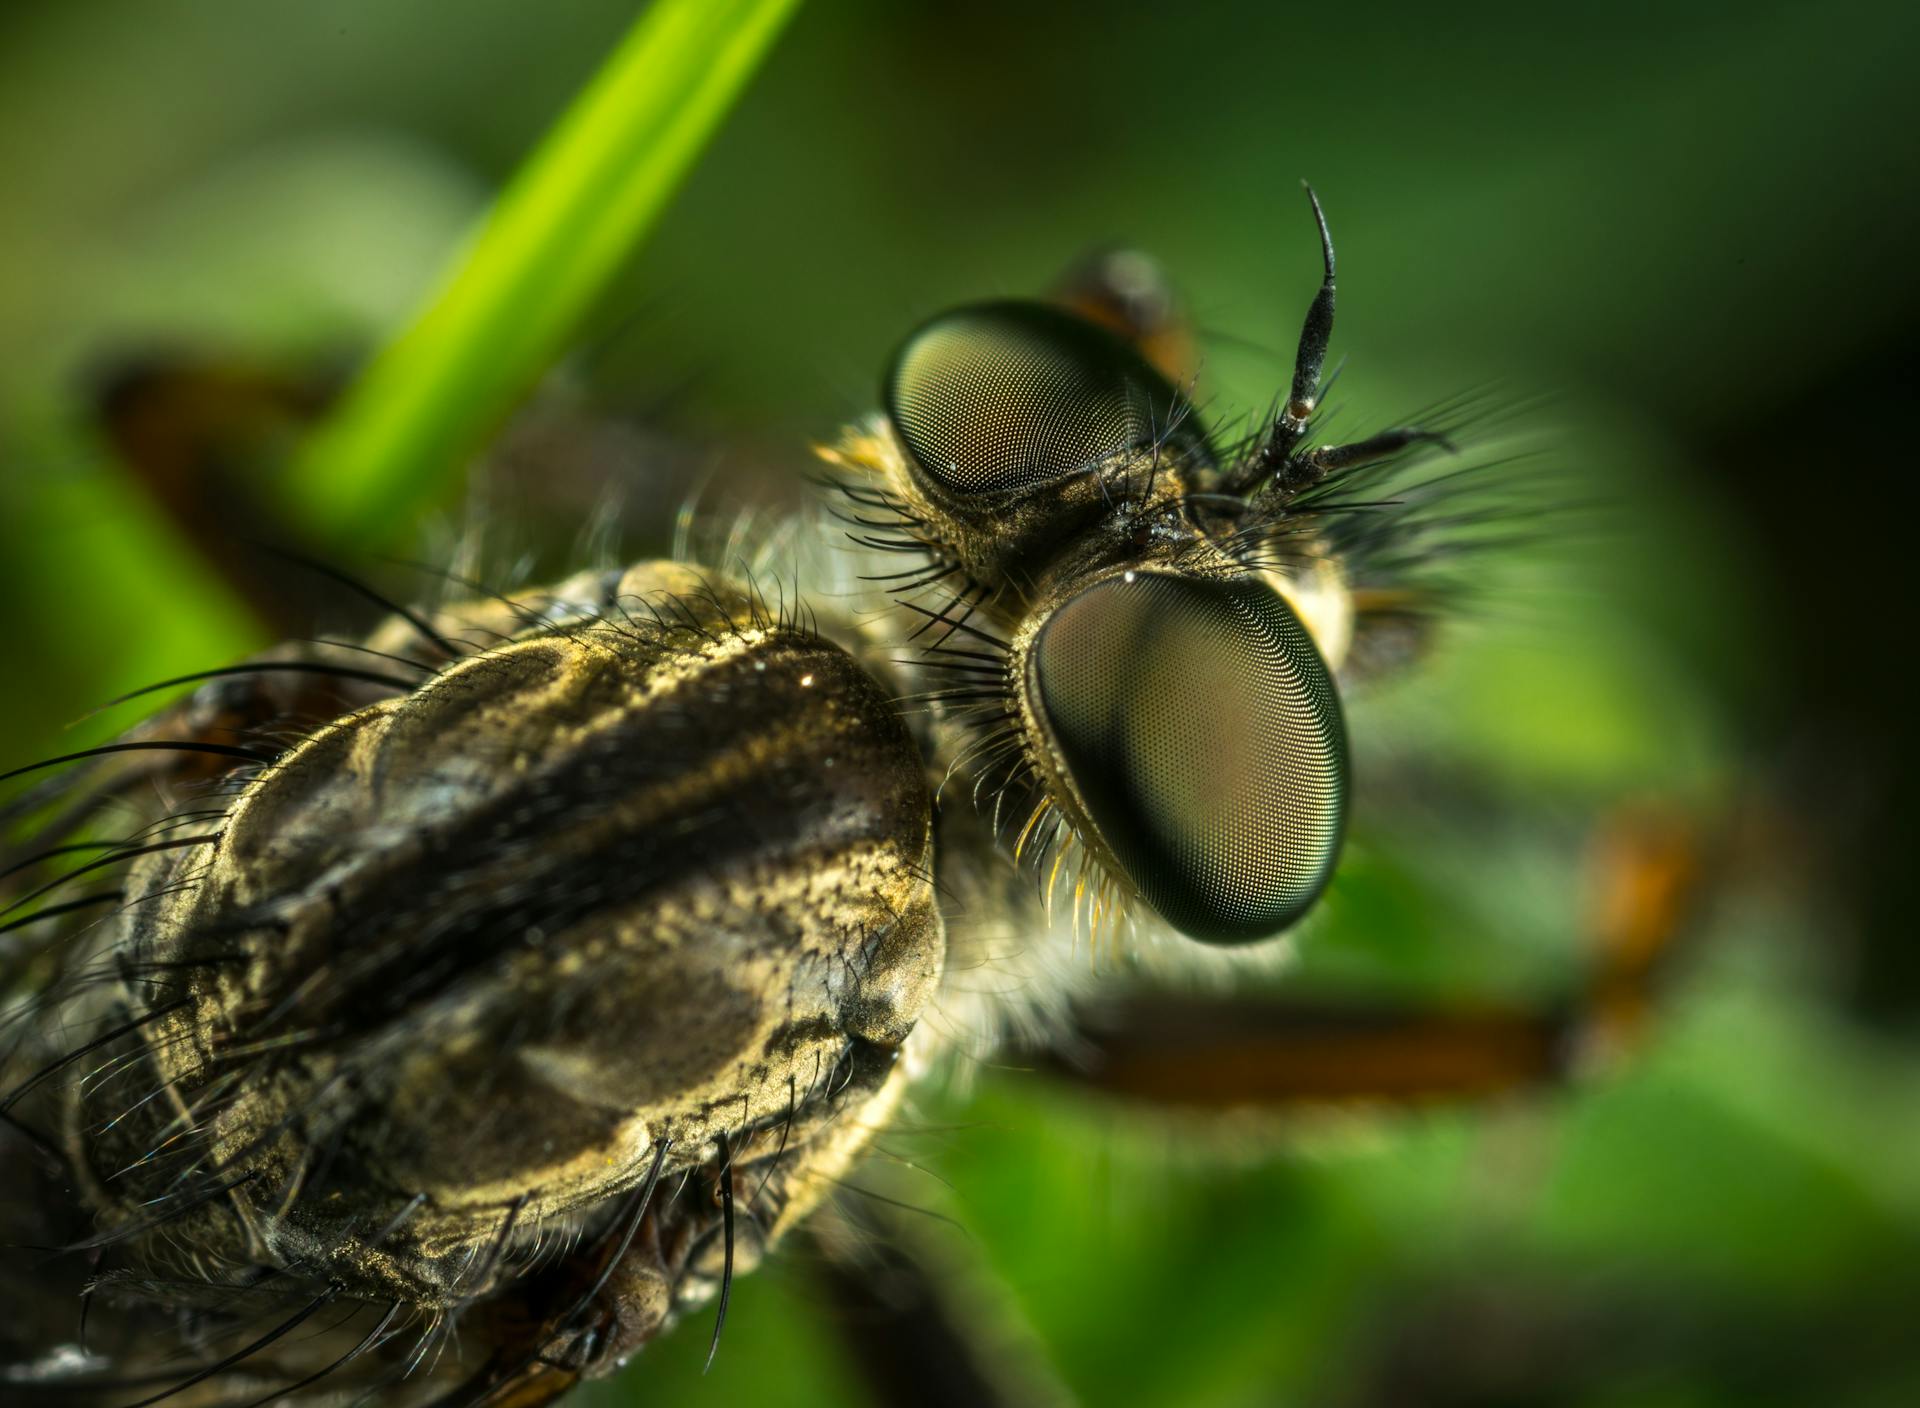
(1258, 1051)
(1127, 292)
(196, 432)
(192, 431)
(239, 716)
(908, 1325)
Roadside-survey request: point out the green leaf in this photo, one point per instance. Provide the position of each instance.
(573, 214)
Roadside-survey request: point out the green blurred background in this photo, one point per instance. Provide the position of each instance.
(1688, 225)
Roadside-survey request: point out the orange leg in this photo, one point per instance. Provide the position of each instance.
(1263, 1051)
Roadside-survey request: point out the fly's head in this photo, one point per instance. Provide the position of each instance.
(1139, 627)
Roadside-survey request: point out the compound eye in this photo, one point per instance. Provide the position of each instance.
(1000, 398)
(1200, 731)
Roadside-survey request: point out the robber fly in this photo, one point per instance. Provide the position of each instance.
(474, 1001)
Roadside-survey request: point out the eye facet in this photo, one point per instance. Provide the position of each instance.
(1201, 731)
(999, 398)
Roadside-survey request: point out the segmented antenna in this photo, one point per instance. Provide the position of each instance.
(1315, 333)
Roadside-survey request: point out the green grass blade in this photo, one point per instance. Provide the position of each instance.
(571, 216)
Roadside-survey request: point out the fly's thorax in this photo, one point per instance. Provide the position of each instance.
(464, 960)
